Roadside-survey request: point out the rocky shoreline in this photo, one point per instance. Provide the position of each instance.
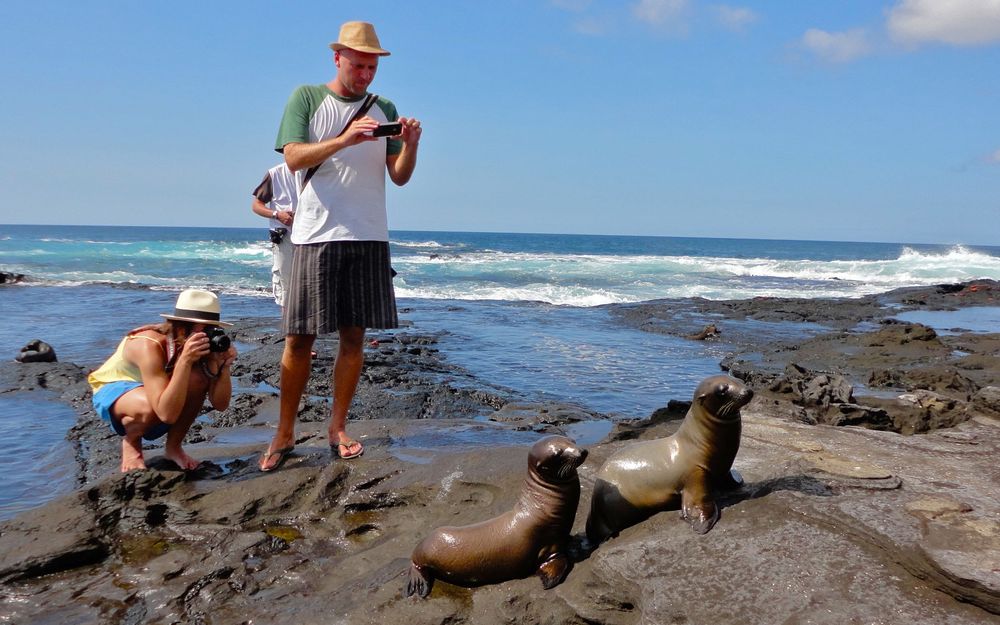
(893, 518)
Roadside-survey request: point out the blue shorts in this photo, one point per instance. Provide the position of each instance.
(105, 398)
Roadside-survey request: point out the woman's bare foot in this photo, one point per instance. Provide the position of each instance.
(132, 455)
(181, 459)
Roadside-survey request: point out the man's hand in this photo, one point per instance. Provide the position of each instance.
(285, 217)
(411, 130)
(360, 130)
(401, 165)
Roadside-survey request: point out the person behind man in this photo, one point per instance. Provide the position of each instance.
(157, 380)
(274, 198)
(341, 277)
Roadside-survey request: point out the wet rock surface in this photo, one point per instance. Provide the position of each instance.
(834, 524)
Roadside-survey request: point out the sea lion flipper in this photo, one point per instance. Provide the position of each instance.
(554, 570)
(597, 527)
(701, 518)
(514, 544)
(419, 583)
(729, 481)
(697, 506)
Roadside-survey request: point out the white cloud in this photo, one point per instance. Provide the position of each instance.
(591, 26)
(958, 22)
(734, 18)
(662, 13)
(837, 47)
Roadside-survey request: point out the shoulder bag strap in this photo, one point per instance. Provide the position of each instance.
(365, 107)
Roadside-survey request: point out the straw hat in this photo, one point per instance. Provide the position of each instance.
(359, 36)
(197, 306)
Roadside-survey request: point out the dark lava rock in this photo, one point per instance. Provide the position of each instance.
(811, 389)
(895, 332)
(833, 525)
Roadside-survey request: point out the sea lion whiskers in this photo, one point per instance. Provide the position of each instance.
(726, 409)
(568, 469)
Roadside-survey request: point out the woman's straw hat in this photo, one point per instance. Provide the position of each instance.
(197, 306)
(359, 36)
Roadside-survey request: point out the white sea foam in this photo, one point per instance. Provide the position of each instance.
(419, 244)
(551, 294)
(589, 280)
(203, 251)
(434, 270)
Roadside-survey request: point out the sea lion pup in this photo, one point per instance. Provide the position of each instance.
(530, 538)
(708, 332)
(37, 351)
(684, 469)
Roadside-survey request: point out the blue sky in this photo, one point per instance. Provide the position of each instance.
(855, 120)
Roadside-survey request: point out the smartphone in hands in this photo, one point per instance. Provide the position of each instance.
(388, 130)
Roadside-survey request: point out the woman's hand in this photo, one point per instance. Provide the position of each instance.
(222, 360)
(194, 349)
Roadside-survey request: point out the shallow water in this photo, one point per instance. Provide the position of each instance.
(536, 351)
(985, 319)
(39, 463)
(569, 354)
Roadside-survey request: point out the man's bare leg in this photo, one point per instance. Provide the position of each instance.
(346, 373)
(295, 367)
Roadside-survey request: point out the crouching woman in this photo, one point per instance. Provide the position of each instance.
(157, 380)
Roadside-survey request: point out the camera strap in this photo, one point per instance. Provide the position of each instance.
(365, 107)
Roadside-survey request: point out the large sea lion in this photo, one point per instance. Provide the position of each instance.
(680, 470)
(530, 538)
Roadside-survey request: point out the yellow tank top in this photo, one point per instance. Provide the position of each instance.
(118, 368)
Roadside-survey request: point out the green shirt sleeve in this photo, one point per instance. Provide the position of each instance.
(294, 126)
(392, 145)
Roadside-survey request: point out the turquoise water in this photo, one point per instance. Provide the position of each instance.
(575, 270)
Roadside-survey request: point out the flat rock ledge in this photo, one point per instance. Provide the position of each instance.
(834, 525)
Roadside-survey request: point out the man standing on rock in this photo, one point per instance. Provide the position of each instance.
(341, 277)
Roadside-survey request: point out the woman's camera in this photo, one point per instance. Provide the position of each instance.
(217, 339)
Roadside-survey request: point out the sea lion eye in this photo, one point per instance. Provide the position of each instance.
(722, 390)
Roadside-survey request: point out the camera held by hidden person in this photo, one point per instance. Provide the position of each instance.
(217, 340)
(277, 235)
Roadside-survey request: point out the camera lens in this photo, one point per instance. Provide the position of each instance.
(217, 340)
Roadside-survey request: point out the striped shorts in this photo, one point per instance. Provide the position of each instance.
(339, 283)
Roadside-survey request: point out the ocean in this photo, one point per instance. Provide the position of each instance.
(525, 311)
